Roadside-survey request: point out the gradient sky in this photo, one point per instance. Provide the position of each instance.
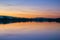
(30, 8)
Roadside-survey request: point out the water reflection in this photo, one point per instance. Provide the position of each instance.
(29, 31)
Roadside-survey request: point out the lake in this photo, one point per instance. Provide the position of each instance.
(30, 31)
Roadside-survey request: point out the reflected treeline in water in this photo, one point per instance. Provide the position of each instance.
(9, 19)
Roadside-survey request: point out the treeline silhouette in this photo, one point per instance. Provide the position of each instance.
(9, 19)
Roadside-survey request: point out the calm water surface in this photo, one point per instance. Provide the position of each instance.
(30, 31)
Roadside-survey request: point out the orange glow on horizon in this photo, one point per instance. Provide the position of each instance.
(47, 14)
(31, 15)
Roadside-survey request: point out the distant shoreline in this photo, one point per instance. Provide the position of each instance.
(10, 19)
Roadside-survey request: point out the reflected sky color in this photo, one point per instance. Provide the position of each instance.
(29, 9)
(32, 8)
(28, 27)
(30, 31)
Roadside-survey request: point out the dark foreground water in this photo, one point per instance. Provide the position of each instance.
(30, 31)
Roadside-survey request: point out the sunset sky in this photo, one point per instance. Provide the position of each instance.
(30, 8)
(29, 29)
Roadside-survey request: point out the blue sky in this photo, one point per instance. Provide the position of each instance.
(38, 3)
(30, 6)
